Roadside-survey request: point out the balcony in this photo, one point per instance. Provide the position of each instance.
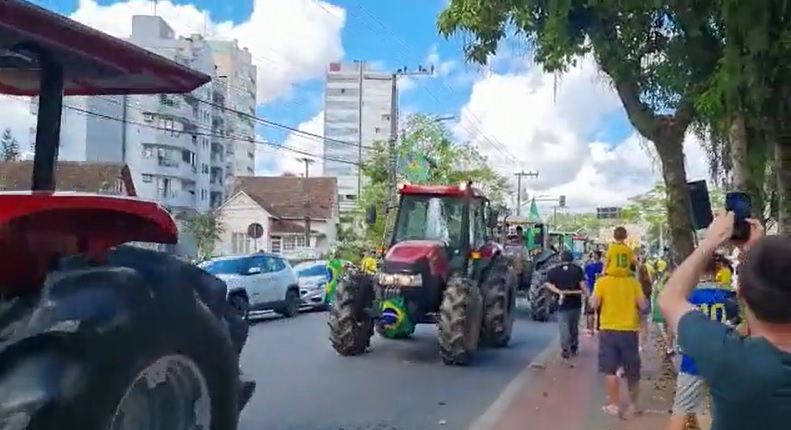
(179, 199)
(174, 106)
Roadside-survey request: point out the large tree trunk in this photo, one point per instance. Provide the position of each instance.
(737, 139)
(670, 147)
(782, 155)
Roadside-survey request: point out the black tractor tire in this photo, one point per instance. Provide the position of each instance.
(398, 336)
(539, 298)
(91, 335)
(351, 327)
(499, 302)
(459, 325)
(290, 304)
(239, 302)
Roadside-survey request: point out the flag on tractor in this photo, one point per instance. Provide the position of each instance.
(334, 272)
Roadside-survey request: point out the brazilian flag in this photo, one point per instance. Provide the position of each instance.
(413, 167)
(334, 272)
(394, 318)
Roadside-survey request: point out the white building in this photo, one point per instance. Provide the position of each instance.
(173, 144)
(235, 66)
(280, 205)
(357, 107)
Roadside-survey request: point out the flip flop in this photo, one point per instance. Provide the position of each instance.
(612, 410)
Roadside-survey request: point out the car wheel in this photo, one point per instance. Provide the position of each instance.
(241, 305)
(291, 307)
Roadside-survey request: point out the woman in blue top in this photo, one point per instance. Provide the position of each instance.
(593, 268)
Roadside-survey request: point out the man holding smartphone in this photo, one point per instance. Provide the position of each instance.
(748, 377)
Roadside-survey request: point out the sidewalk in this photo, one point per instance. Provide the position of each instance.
(561, 395)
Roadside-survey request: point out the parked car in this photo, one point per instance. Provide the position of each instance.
(258, 282)
(313, 280)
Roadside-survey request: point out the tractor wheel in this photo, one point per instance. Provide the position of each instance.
(351, 327)
(459, 326)
(499, 300)
(539, 299)
(137, 353)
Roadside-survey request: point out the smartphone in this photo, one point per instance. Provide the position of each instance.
(741, 206)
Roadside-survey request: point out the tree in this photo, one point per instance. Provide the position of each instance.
(9, 146)
(657, 58)
(448, 163)
(207, 229)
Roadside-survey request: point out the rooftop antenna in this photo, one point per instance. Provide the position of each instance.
(155, 2)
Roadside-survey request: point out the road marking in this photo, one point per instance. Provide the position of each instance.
(493, 413)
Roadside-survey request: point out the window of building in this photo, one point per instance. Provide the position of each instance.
(148, 117)
(147, 178)
(275, 244)
(240, 243)
(377, 130)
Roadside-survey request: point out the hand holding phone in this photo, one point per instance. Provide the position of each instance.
(741, 205)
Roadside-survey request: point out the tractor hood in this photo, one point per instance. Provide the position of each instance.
(410, 251)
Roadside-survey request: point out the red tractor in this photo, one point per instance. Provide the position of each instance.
(442, 267)
(95, 335)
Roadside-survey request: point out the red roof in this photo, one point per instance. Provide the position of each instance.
(94, 62)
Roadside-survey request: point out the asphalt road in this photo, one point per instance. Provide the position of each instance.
(398, 385)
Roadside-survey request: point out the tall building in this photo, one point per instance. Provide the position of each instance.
(235, 66)
(357, 108)
(174, 144)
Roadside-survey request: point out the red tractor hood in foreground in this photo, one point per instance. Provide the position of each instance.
(40, 225)
(410, 251)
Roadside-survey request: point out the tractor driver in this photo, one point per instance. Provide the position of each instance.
(520, 235)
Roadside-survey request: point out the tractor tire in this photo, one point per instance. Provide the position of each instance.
(499, 301)
(351, 327)
(539, 299)
(119, 342)
(460, 320)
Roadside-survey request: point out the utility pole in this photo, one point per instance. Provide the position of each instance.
(519, 175)
(393, 140)
(360, 79)
(306, 193)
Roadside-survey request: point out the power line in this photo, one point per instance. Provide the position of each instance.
(198, 133)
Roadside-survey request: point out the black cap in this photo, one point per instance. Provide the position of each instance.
(566, 256)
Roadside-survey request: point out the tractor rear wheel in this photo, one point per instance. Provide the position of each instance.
(459, 326)
(499, 301)
(351, 327)
(539, 299)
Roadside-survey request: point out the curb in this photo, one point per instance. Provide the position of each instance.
(489, 418)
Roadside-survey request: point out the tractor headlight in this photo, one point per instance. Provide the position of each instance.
(400, 280)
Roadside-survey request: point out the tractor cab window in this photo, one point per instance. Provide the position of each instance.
(477, 225)
(430, 218)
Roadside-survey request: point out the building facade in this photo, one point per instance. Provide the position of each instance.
(236, 69)
(357, 109)
(176, 145)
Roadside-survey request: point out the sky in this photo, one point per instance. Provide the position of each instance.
(570, 128)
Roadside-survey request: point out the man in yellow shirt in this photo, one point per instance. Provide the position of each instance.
(369, 263)
(620, 299)
(619, 259)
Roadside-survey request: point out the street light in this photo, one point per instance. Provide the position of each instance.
(444, 118)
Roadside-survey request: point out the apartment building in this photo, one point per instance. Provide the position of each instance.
(236, 69)
(357, 107)
(174, 144)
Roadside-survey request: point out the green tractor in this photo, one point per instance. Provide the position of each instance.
(441, 267)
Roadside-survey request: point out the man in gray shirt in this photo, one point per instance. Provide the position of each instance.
(749, 378)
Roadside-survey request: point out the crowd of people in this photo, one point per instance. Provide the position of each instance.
(733, 337)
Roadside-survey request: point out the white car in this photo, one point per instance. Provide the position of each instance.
(258, 282)
(313, 280)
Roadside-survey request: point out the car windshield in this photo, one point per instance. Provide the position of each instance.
(225, 266)
(430, 217)
(309, 272)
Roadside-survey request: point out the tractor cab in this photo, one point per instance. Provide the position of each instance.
(444, 224)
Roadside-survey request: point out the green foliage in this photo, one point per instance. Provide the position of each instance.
(450, 164)
(9, 146)
(207, 229)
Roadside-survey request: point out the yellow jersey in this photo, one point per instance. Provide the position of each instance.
(618, 296)
(724, 277)
(369, 265)
(661, 265)
(619, 258)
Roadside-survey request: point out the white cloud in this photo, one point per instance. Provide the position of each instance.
(290, 40)
(287, 161)
(546, 122)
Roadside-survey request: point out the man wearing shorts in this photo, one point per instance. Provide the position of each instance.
(593, 268)
(620, 300)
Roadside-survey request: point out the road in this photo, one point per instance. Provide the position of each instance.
(398, 385)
